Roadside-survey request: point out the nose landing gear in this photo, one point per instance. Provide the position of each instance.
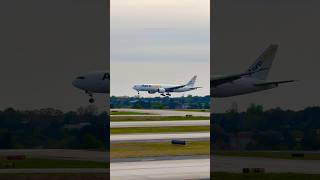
(91, 100)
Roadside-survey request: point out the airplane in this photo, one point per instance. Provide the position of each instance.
(254, 79)
(165, 90)
(94, 82)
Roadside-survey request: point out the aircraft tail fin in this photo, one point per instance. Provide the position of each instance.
(260, 68)
(192, 81)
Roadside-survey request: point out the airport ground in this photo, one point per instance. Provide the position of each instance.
(141, 145)
(227, 165)
(151, 154)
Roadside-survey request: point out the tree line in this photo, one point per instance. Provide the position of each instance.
(52, 128)
(85, 128)
(185, 102)
(274, 129)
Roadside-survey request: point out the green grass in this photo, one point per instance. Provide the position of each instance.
(54, 163)
(55, 176)
(156, 118)
(266, 154)
(264, 176)
(160, 129)
(128, 113)
(193, 110)
(152, 149)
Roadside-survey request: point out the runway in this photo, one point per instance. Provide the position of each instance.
(158, 137)
(159, 123)
(235, 164)
(70, 154)
(161, 112)
(163, 169)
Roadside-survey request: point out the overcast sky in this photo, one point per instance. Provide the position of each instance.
(243, 29)
(163, 41)
(44, 45)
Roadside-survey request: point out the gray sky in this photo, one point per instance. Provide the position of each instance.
(159, 42)
(44, 45)
(242, 29)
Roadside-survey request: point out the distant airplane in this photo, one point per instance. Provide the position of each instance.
(165, 90)
(252, 80)
(95, 82)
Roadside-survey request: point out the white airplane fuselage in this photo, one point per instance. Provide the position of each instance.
(95, 82)
(154, 88)
(166, 89)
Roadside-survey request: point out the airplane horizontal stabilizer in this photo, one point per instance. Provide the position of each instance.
(195, 88)
(273, 83)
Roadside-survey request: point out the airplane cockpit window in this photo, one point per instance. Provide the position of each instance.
(80, 77)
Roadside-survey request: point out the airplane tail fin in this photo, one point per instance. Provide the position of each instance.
(192, 81)
(260, 68)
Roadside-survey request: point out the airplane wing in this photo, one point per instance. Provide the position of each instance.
(225, 79)
(221, 80)
(171, 89)
(273, 83)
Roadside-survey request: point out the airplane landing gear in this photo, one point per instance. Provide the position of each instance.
(91, 100)
(168, 94)
(162, 94)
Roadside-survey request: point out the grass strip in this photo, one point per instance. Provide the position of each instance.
(152, 149)
(270, 154)
(264, 176)
(52, 163)
(160, 129)
(55, 176)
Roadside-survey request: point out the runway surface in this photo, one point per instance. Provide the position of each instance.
(158, 137)
(163, 169)
(98, 156)
(235, 164)
(160, 112)
(159, 123)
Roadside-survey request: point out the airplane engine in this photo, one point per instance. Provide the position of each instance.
(161, 90)
(151, 92)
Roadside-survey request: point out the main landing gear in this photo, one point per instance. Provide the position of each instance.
(167, 94)
(91, 100)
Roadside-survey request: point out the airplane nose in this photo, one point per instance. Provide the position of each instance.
(75, 83)
(134, 87)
